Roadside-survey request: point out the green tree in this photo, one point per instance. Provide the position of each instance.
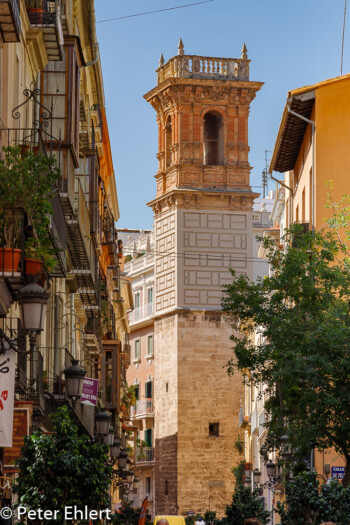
(245, 504)
(63, 469)
(307, 503)
(127, 515)
(302, 312)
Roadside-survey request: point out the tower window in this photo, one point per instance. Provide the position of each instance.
(214, 429)
(168, 143)
(213, 139)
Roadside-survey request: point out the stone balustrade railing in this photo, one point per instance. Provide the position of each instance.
(188, 66)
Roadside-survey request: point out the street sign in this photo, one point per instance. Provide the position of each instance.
(338, 472)
(190, 513)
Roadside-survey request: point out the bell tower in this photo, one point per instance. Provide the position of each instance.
(203, 227)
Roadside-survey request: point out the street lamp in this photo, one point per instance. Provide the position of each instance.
(115, 448)
(256, 476)
(103, 420)
(74, 375)
(32, 300)
(136, 483)
(130, 476)
(256, 480)
(122, 459)
(128, 465)
(109, 438)
(247, 481)
(270, 469)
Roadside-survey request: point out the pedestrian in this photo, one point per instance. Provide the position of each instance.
(200, 521)
(162, 521)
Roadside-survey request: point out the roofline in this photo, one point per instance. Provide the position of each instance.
(298, 94)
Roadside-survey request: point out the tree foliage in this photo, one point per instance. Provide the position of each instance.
(245, 504)
(63, 469)
(302, 313)
(127, 515)
(307, 503)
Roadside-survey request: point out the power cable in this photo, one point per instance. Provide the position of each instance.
(211, 256)
(156, 11)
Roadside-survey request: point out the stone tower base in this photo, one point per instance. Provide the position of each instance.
(197, 406)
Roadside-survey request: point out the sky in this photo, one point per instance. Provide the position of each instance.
(290, 45)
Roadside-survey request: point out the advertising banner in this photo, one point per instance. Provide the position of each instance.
(90, 391)
(7, 396)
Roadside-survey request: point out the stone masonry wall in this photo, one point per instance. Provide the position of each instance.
(166, 414)
(207, 395)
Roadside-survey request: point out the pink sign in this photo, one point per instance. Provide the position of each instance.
(90, 391)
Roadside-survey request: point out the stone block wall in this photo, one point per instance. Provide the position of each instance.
(207, 396)
(166, 414)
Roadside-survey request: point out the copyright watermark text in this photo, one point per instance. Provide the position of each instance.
(69, 513)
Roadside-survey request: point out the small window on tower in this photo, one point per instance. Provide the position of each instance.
(214, 429)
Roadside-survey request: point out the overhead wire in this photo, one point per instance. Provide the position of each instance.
(155, 11)
(211, 256)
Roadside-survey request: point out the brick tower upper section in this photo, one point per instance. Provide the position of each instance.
(202, 107)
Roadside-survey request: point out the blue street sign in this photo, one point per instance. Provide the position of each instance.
(338, 472)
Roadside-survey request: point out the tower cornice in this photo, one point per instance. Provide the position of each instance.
(229, 85)
(204, 199)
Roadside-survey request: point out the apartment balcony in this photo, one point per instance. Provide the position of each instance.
(92, 335)
(141, 314)
(139, 264)
(35, 385)
(10, 21)
(144, 455)
(47, 16)
(243, 420)
(34, 139)
(142, 414)
(83, 254)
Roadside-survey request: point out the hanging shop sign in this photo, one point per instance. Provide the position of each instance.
(7, 395)
(90, 391)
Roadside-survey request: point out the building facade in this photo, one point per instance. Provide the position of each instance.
(138, 249)
(52, 102)
(202, 226)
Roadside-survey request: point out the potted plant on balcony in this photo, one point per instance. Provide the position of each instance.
(35, 9)
(37, 253)
(26, 189)
(106, 319)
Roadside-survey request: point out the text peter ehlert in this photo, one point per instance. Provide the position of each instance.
(70, 513)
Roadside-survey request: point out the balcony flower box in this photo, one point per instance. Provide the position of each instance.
(9, 259)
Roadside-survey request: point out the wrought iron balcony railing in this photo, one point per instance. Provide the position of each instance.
(144, 454)
(10, 20)
(47, 14)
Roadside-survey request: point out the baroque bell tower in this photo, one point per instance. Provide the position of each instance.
(203, 227)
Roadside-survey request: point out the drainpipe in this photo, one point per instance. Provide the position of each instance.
(95, 46)
(312, 123)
